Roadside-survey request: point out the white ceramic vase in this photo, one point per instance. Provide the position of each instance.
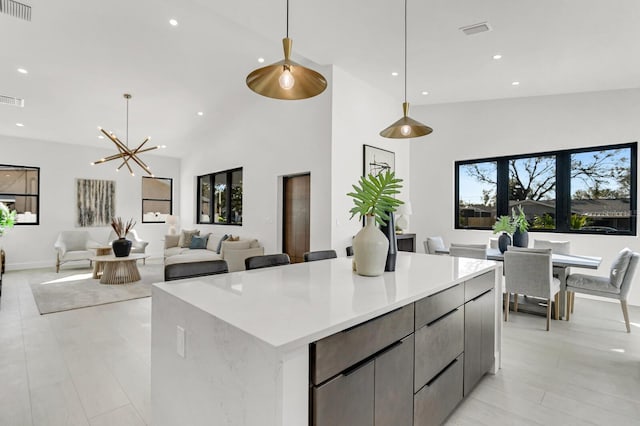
(370, 248)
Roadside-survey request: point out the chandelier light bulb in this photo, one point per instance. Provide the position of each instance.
(286, 80)
(405, 130)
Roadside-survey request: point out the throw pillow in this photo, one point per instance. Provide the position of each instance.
(224, 237)
(199, 242)
(186, 236)
(232, 238)
(619, 267)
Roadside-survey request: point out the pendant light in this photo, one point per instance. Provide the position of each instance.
(286, 79)
(406, 127)
(124, 152)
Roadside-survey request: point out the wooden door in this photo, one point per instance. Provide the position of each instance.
(296, 216)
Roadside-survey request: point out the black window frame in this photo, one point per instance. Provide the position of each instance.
(563, 188)
(228, 196)
(37, 195)
(156, 199)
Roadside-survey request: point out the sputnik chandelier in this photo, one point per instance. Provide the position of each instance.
(124, 152)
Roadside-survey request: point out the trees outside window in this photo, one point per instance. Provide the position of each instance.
(589, 190)
(20, 191)
(220, 198)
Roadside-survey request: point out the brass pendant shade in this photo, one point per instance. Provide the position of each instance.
(406, 127)
(266, 81)
(286, 79)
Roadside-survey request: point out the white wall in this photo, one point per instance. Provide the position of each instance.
(60, 164)
(269, 139)
(517, 126)
(359, 113)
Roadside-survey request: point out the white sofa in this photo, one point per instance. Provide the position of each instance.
(234, 252)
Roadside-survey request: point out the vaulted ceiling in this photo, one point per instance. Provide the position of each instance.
(82, 55)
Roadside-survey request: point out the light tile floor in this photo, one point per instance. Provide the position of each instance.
(91, 366)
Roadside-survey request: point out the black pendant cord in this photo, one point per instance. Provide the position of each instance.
(405, 50)
(287, 18)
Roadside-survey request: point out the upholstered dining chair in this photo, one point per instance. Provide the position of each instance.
(266, 261)
(530, 272)
(433, 244)
(74, 246)
(178, 271)
(557, 247)
(616, 286)
(312, 256)
(474, 251)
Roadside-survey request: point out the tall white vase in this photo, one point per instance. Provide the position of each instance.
(370, 248)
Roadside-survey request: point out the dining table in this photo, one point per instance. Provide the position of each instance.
(561, 264)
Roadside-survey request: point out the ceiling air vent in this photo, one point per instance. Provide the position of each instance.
(15, 9)
(8, 100)
(476, 28)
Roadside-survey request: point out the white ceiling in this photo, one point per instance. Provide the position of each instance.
(82, 55)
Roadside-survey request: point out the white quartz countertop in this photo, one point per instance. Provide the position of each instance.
(294, 305)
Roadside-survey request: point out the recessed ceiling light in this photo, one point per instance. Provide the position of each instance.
(173, 22)
(19, 124)
(22, 71)
(200, 113)
(261, 60)
(425, 93)
(395, 74)
(515, 83)
(497, 56)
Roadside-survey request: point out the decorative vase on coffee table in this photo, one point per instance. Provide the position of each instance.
(370, 248)
(521, 239)
(121, 247)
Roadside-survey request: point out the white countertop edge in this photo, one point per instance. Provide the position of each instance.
(284, 347)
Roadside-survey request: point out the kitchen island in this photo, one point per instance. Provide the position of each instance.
(297, 344)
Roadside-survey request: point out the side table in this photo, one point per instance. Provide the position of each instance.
(98, 266)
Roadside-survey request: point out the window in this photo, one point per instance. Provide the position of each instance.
(590, 190)
(20, 191)
(157, 199)
(477, 195)
(220, 198)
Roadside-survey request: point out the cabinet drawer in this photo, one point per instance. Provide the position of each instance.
(436, 305)
(478, 285)
(437, 344)
(340, 351)
(346, 400)
(434, 402)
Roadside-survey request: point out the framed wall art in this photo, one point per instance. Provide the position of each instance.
(377, 160)
(96, 202)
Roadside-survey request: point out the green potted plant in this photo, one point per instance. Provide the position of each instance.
(506, 226)
(121, 247)
(374, 199)
(7, 218)
(519, 221)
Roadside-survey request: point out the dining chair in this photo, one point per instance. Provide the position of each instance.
(266, 261)
(530, 272)
(178, 271)
(312, 256)
(557, 247)
(433, 244)
(616, 286)
(474, 251)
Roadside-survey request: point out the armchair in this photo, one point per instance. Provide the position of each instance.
(74, 246)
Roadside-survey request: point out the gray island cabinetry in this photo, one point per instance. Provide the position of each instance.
(316, 344)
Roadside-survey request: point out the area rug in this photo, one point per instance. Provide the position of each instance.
(75, 288)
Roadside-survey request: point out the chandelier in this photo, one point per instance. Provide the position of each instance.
(124, 152)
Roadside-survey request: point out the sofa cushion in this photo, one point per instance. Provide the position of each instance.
(171, 241)
(186, 235)
(199, 242)
(192, 256)
(235, 245)
(173, 251)
(223, 239)
(619, 267)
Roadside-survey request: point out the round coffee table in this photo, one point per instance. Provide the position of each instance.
(119, 270)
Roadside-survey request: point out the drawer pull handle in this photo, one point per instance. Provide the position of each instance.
(443, 317)
(430, 382)
(478, 297)
(346, 330)
(442, 291)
